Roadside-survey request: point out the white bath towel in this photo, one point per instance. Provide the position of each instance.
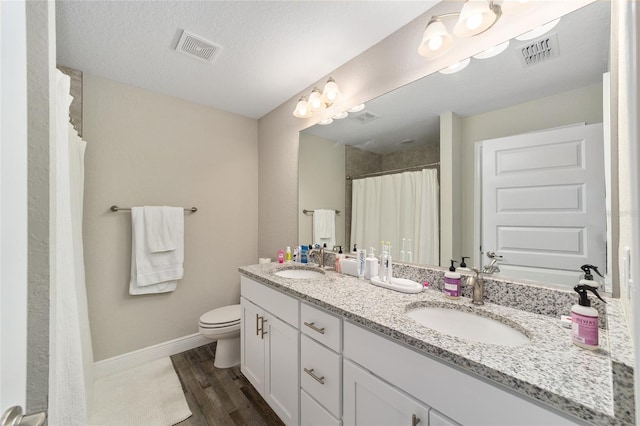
(154, 272)
(324, 227)
(160, 226)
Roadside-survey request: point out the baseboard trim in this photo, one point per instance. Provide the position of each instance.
(150, 353)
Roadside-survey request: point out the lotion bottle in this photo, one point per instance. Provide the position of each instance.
(287, 254)
(339, 257)
(371, 265)
(584, 319)
(452, 282)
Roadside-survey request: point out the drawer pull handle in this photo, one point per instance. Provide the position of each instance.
(414, 420)
(262, 332)
(316, 378)
(257, 325)
(312, 326)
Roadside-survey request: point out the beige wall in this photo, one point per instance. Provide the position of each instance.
(321, 184)
(576, 106)
(390, 64)
(147, 148)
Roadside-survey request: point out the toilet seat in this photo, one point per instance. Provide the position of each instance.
(221, 318)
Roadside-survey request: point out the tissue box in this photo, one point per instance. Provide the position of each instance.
(349, 266)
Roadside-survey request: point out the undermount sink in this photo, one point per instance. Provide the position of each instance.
(468, 325)
(300, 274)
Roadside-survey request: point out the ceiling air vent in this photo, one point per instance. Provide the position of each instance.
(363, 117)
(540, 50)
(197, 47)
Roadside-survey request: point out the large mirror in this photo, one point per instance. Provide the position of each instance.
(443, 123)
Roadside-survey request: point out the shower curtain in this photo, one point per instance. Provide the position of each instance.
(396, 207)
(70, 350)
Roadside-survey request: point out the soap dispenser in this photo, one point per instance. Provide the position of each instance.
(339, 257)
(452, 282)
(584, 318)
(463, 265)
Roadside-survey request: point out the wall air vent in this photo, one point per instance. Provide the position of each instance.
(197, 47)
(540, 50)
(363, 117)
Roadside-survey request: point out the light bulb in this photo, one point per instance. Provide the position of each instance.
(435, 42)
(331, 92)
(474, 21)
(315, 100)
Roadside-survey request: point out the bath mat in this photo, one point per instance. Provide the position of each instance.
(149, 394)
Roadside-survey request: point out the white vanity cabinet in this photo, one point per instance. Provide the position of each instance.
(320, 366)
(369, 401)
(270, 343)
(445, 394)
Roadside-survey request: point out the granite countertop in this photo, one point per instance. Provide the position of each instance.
(550, 368)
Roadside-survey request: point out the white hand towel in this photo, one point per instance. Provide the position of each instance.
(159, 222)
(324, 227)
(155, 272)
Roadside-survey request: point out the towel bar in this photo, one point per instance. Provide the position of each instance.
(305, 211)
(115, 208)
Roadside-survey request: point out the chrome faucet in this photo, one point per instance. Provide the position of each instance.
(317, 253)
(491, 267)
(477, 286)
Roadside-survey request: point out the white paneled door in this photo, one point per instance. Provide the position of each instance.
(13, 205)
(543, 198)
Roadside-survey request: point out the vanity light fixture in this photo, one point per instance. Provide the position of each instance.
(302, 108)
(318, 101)
(475, 17)
(535, 33)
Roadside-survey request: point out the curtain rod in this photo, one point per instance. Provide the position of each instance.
(305, 211)
(115, 208)
(389, 172)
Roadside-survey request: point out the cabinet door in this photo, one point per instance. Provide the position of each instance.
(370, 401)
(437, 419)
(252, 347)
(282, 384)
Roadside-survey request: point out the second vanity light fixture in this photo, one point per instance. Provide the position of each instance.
(475, 17)
(318, 101)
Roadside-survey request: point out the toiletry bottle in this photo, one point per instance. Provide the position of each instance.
(584, 319)
(588, 277)
(355, 248)
(362, 254)
(287, 254)
(389, 267)
(452, 282)
(402, 252)
(383, 262)
(296, 254)
(304, 252)
(280, 256)
(339, 257)
(371, 265)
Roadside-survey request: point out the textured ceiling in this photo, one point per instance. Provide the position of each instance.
(271, 50)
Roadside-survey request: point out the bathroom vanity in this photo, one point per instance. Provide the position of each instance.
(330, 349)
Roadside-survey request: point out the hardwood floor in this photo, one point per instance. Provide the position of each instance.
(219, 396)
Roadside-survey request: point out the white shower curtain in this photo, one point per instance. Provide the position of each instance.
(70, 350)
(397, 206)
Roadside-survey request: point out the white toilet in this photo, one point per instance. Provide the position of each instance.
(223, 324)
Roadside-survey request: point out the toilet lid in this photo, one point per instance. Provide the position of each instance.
(224, 315)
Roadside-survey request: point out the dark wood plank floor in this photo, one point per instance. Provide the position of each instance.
(219, 396)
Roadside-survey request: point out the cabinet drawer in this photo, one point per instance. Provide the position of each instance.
(321, 326)
(321, 374)
(313, 414)
(283, 306)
